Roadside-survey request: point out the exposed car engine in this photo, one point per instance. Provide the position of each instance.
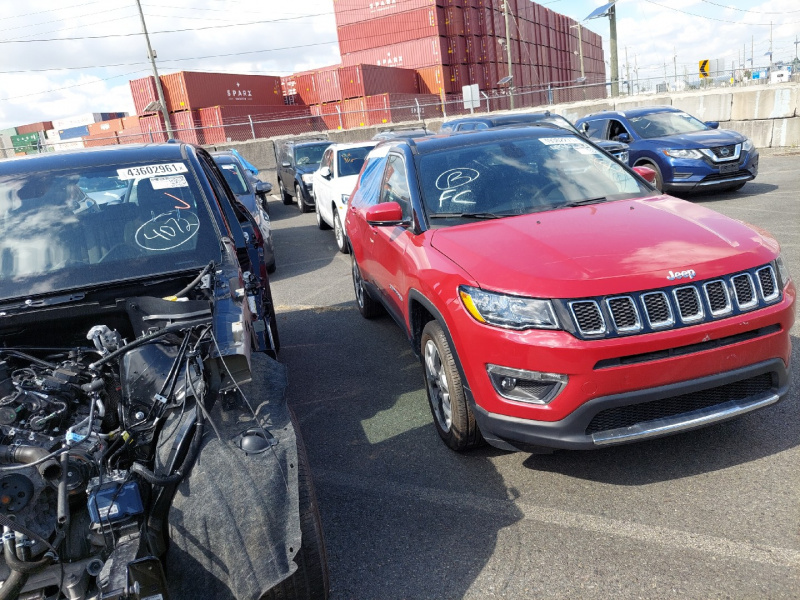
(83, 494)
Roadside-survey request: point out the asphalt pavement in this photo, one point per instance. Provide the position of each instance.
(713, 513)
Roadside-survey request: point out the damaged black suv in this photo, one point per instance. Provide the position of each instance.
(146, 449)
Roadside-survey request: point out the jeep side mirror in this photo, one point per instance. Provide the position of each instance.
(385, 213)
(585, 128)
(624, 138)
(646, 173)
(263, 188)
(325, 172)
(712, 124)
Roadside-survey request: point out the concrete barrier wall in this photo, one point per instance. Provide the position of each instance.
(770, 116)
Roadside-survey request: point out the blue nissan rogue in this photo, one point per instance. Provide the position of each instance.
(686, 154)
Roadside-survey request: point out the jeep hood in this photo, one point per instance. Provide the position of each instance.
(707, 138)
(599, 249)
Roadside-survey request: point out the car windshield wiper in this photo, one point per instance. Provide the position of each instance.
(586, 201)
(469, 215)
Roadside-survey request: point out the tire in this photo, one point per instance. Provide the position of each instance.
(286, 197)
(320, 221)
(367, 306)
(271, 267)
(452, 416)
(311, 580)
(301, 203)
(341, 236)
(659, 177)
(272, 321)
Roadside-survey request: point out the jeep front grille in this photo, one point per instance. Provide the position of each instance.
(677, 306)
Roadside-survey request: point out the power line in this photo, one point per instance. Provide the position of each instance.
(67, 87)
(99, 12)
(50, 10)
(714, 18)
(745, 10)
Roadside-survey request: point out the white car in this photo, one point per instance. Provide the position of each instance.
(334, 181)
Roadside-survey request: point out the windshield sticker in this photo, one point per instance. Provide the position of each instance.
(561, 141)
(587, 150)
(174, 181)
(151, 170)
(453, 178)
(168, 230)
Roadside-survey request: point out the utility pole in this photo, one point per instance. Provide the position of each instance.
(580, 56)
(508, 53)
(675, 67)
(770, 46)
(795, 46)
(666, 81)
(628, 71)
(636, 71)
(152, 57)
(612, 30)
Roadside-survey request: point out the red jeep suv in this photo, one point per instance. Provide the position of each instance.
(557, 299)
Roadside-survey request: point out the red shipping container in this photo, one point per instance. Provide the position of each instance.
(186, 127)
(355, 11)
(474, 49)
(144, 92)
(131, 122)
(499, 24)
(459, 76)
(354, 113)
(454, 20)
(111, 125)
(397, 108)
(327, 80)
(366, 80)
(131, 135)
(402, 27)
(222, 124)
(108, 138)
(434, 80)
(306, 86)
(190, 90)
(34, 127)
(490, 48)
(331, 114)
(152, 127)
(472, 24)
(410, 55)
(476, 75)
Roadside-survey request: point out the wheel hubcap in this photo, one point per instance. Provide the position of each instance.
(438, 387)
(359, 289)
(337, 226)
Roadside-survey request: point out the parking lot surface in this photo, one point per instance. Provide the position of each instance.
(713, 513)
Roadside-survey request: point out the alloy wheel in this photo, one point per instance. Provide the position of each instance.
(438, 387)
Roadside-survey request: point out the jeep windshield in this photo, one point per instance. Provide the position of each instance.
(665, 123)
(86, 226)
(520, 176)
(309, 155)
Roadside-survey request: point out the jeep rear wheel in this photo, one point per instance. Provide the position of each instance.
(301, 203)
(452, 416)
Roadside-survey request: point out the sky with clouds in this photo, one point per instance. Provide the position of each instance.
(66, 57)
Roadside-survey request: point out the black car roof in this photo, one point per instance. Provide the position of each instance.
(498, 120)
(447, 141)
(93, 157)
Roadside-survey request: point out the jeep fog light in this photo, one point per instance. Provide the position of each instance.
(532, 387)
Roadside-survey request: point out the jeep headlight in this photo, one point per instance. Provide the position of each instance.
(683, 153)
(511, 312)
(308, 178)
(783, 272)
(747, 145)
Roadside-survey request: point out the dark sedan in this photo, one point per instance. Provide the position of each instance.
(253, 198)
(687, 154)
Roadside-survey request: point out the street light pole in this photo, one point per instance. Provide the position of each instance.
(151, 56)
(612, 26)
(508, 53)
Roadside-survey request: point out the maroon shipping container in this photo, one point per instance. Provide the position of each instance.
(190, 90)
(456, 50)
(355, 11)
(108, 138)
(490, 48)
(111, 126)
(354, 113)
(232, 123)
(396, 108)
(144, 92)
(459, 77)
(426, 52)
(454, 20)
(434, 80)
(472, 21)
(366, 80)
(327, 80)
(186, 127)
(131, 122)
(474, 49)
(34, 127)
(402, 27)
(476, 75)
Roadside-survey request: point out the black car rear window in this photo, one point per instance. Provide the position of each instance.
(85, 226)
(309, 155)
